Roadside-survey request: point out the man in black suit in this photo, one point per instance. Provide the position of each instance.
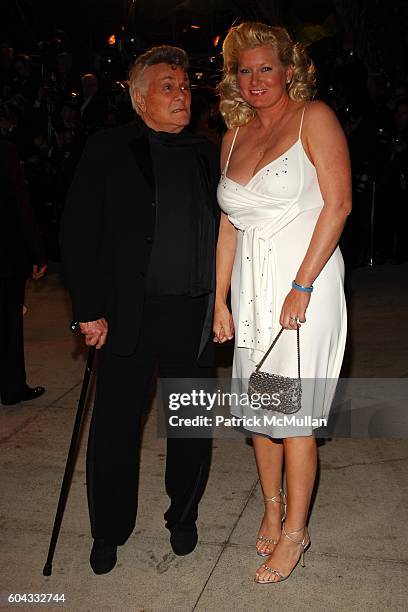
(21, 252)
(138, 243)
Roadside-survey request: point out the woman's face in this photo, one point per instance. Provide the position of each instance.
(262, 77)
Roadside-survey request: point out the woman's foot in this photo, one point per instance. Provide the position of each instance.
(271, 525)
(286, 555)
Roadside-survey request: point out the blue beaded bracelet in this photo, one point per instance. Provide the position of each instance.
(302, 287)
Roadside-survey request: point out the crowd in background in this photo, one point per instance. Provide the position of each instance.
(48, 108)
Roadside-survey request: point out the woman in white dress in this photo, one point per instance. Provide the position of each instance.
(285, 192)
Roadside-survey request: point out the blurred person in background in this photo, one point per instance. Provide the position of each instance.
(21, 253)
(15, 128)
(397, 183)
(42, 170)
(67, 80)
(93, 104)
(119, 99)
(360, 129)
(27, 81)
(6, 70)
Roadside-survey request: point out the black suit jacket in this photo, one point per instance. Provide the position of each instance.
(108, 227)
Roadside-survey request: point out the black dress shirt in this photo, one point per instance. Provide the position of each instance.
(175, 237)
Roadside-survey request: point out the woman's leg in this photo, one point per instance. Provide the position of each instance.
(300, 464)
(269, 460)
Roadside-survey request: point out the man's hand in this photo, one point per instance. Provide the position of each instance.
(39, 271)
(95, 332)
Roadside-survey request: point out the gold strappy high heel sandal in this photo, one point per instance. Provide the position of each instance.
(280, 498)
(304, 543)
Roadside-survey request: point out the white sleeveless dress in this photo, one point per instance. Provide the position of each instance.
(275, 214)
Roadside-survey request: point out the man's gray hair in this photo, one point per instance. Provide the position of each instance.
(164, 54)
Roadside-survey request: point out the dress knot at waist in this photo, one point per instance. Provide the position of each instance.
(257, 310)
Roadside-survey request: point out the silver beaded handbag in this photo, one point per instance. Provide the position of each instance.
(278, 393)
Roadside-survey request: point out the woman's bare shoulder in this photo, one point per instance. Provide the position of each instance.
(319, 114)
(324, 138)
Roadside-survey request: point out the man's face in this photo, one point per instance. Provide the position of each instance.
(165, 100)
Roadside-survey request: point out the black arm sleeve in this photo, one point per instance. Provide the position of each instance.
(80, 235)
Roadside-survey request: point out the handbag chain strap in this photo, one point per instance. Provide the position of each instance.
(273, 344)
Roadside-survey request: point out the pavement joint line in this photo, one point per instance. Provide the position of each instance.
(35, 416)
(364, 463)
(321, 554)
(379, 462)
(38, 529)
(360, 558)
(225, 544)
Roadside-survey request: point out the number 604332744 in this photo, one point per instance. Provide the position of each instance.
(36, 597)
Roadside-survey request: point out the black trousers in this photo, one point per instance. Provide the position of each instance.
(12, 367)
(170, 338)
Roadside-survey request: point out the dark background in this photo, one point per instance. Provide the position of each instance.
(359, 47)
(377, 29)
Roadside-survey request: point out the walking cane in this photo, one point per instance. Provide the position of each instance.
(72, 453)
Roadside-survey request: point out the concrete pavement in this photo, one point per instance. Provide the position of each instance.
(359, 554)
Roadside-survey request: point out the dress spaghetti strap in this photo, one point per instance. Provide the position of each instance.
(230, 151)
(301, 121)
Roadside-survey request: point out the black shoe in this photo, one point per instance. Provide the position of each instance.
(103, 557)
(27, 394)
(183, 541)
(31, 393)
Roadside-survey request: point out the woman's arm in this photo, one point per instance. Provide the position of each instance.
(226, 246)
(223, 325)
(327, 147)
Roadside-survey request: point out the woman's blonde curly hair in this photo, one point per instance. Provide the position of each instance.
(250, 35)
